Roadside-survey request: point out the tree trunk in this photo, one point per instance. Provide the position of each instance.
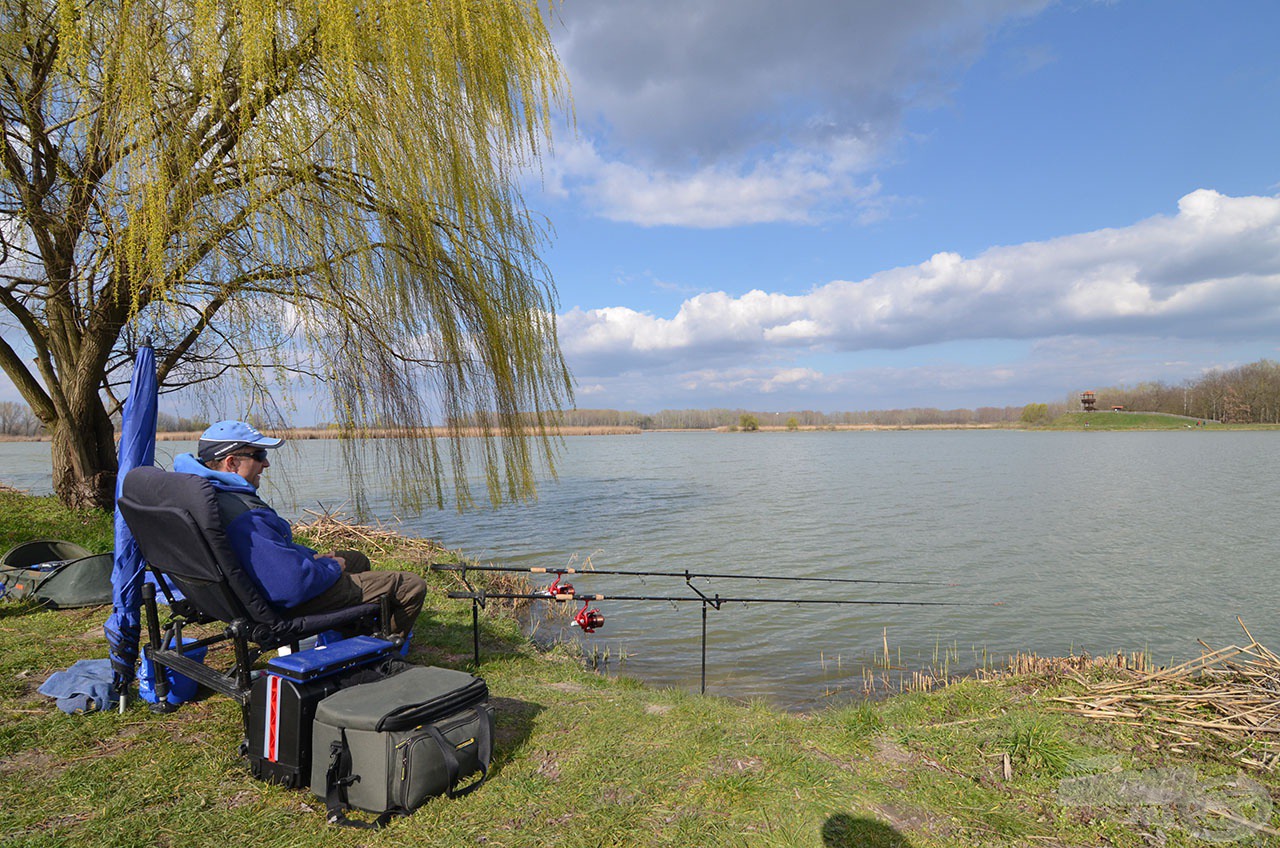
(84, 460)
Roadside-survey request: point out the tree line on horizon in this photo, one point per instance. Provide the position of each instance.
(1248, 394)
(17, 419)
(710, 419)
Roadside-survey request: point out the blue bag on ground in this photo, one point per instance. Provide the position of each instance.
(181, 688)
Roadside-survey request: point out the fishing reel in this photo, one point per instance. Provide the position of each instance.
(589, 620)
(557, 588)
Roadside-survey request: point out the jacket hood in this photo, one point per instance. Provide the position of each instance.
(187, 464)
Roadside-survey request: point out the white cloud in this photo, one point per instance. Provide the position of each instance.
(1210, 271)
(794, 187)
(732, 112)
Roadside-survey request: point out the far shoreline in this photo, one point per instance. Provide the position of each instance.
(1071, 422)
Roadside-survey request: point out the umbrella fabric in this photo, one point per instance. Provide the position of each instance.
(137, 447)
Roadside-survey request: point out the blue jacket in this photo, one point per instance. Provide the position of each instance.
(287, 573)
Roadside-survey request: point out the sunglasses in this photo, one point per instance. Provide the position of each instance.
(259, 455)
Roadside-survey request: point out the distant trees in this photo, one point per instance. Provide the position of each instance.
(1248, 394)
(166, 423)
(1035, 413)
(16, 419)
(749, 422)
(710, 419)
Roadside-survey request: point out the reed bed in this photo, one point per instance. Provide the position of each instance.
(330, 531)
(1229, 696)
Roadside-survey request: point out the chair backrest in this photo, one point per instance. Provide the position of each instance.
(174, 518)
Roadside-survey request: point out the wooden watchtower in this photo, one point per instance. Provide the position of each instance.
(1088, 400)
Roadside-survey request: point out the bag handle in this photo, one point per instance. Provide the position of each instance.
(484, 753)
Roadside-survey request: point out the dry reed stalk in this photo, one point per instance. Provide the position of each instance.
(330, 531)
(1230, 695)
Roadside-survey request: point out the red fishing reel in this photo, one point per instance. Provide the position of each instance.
(588, 619)
(557, 588)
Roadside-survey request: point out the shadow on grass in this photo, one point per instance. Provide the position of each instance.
(514, 721)
(19, 606)
(846, 831)
(451, 643)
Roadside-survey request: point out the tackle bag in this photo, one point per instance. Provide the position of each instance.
(388, 746)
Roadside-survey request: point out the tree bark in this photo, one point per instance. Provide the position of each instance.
(84, 458)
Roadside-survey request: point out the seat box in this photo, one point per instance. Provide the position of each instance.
(282, 704)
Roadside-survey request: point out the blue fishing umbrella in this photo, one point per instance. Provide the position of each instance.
(137, 447)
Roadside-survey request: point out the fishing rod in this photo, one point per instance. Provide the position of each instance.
(591, 619)
(568, 594)
(685, 575)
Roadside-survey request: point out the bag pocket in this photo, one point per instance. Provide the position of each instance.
(434, 759)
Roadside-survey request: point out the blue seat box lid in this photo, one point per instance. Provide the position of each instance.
(315, 663)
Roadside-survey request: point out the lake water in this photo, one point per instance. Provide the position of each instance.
(1090, 541)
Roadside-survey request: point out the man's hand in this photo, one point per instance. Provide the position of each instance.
(342, 562)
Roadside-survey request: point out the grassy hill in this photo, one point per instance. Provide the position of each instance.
(1130, 421)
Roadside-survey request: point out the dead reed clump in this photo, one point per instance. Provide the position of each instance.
(1229, 696)
(330, 531)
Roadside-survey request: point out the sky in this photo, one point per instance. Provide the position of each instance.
(839, 205)
(848, 205)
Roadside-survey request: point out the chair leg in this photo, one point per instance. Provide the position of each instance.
(160, 680)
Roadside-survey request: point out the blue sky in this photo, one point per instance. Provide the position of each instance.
(860, 205)
(850, 205)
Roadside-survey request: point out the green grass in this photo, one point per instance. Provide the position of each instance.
(23, 518)
(581, 760)
(1105, 420)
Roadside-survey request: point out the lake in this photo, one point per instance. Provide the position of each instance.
(1093, 542)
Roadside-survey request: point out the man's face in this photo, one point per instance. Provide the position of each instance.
(249, 463)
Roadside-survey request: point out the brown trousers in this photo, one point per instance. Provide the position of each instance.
(358, 585)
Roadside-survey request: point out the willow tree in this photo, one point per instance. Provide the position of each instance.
(303, 192)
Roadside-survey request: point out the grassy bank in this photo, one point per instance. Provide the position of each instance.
(585, 760)
(1140, 421)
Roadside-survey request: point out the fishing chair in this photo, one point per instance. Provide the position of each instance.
(174, 518)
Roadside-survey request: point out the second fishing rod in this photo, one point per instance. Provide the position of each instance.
(591, 619)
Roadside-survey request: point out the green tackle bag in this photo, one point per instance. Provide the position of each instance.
(60, 574)
(388, 746)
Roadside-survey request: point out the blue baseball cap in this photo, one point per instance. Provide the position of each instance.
(227, 436)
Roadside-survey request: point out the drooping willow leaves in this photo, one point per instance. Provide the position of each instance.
(300, 192)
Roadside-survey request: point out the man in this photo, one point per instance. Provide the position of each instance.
(232, 456)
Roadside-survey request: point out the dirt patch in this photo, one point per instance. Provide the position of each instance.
(548, 766)
(243, 798)
(737, 765)
(567, 687)
(657, 709)
(888, 751)
(37, 762)
(907, 819)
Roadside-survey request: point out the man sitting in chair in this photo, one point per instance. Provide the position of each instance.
(232, 456)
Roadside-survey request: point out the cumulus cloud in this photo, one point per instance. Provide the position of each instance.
(1211, 270)
(732, 112)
